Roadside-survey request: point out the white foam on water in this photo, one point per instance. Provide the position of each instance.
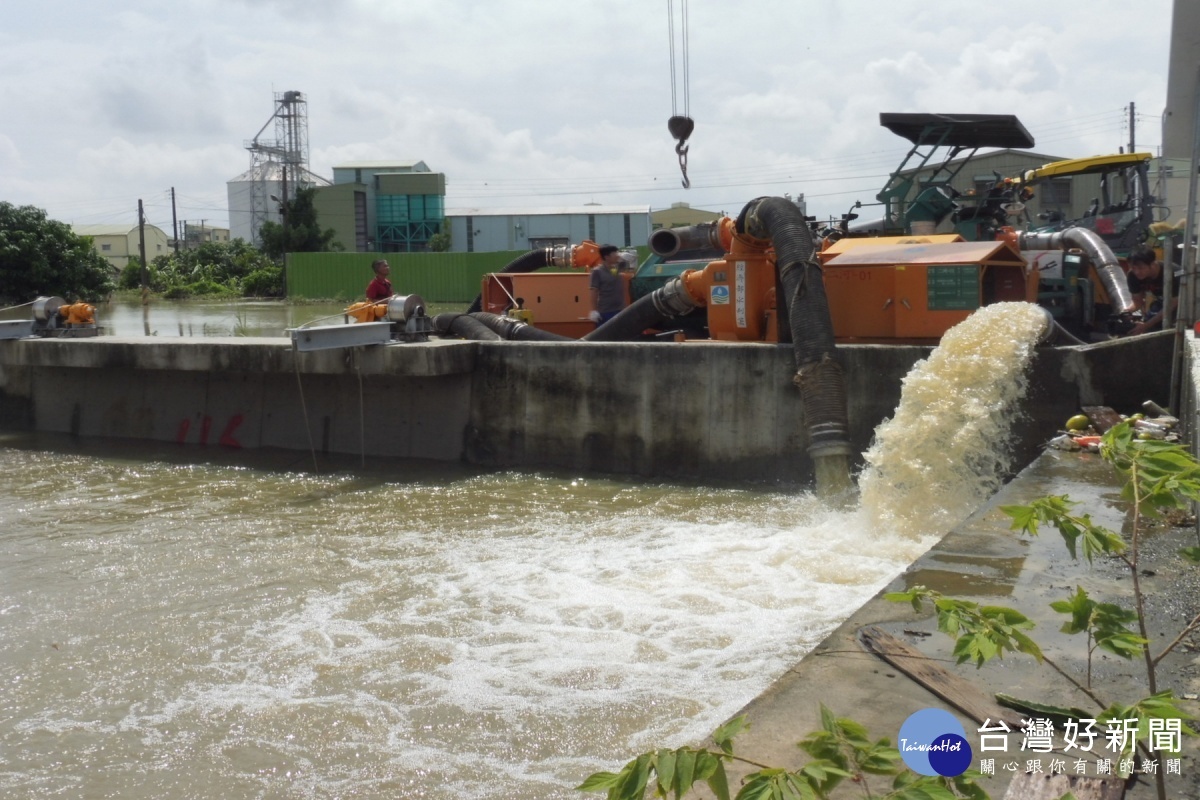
(489, 636)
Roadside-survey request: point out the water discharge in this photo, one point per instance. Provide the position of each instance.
(236, 628)
(945, 450)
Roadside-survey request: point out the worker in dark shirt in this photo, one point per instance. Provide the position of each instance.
(1145, 280)
(380, 288)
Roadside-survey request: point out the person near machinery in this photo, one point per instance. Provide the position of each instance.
(380, 288)
(1145, 281)
(606, 286)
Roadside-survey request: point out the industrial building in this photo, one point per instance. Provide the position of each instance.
(681, 215)
(383, 206)
(278, 168)
(475, 230)
(118, 242)
(265, 181)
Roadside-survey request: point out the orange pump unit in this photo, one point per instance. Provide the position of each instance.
(558, 301)
(738, 290)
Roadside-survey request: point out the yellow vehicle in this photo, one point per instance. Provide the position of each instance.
(1124, 209)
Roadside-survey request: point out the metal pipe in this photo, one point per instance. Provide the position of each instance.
(1102, 257)
(666, 242)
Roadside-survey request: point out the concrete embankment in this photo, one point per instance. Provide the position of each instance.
(984, 562)
(719, 411)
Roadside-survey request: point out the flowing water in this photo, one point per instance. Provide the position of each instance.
(177, 622)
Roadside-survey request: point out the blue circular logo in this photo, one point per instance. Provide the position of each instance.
(933, 742)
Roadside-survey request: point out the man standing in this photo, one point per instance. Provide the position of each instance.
(380, 288)
(607, 287)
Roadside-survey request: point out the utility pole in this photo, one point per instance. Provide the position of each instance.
(142, 250)
(174, 222)
(1132, 138)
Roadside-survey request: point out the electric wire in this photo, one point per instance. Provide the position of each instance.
(312, 446)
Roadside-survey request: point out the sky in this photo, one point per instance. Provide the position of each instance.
(536, 103)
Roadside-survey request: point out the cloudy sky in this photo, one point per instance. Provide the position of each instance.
(549, 102)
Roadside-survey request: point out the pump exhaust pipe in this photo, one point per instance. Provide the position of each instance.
(666, 242)
(1054, 334)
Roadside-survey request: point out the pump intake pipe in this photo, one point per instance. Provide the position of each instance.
(515, 330)
(1102, 258)
(818, 374)
(464, 326)
(584, 255)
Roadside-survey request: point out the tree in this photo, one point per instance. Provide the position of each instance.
(212, 268)
(40, 256)
(300, 232)
(439, 242)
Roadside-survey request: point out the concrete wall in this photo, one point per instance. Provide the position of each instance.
(698, 410)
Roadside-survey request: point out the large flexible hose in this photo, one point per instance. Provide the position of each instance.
(513, 329)
(465, 326)
(818, 374)
(669, 300)
(529, 262)
(1054, 334)
(1106, 264)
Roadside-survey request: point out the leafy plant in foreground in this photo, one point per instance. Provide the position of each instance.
(1160, 476)
(840, 750)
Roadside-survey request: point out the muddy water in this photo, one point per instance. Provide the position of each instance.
(199, 318)
(192, 623)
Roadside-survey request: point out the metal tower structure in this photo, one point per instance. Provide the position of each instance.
(278, 167)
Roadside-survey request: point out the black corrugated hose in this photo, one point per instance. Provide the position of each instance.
(818, 374)
(513, 329)
(464, 325)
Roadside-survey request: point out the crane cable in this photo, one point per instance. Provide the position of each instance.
(680, 126)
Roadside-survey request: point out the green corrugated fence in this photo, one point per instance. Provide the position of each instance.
(436, 277)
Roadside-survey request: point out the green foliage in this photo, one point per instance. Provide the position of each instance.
(981, 633)
(1103, 622)
(300, 233)
(1162, 705)
(218, 269)
(439, 242)
(840, 749)
(264, 282)
(43, 257)
(1056, 510)
(1161, 475)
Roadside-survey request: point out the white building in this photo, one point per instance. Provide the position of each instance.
(250, 205)
(490, 229)
(118, 242)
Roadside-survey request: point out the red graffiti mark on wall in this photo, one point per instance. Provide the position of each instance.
(231, 426)
(226, 438)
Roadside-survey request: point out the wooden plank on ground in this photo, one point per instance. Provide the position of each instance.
(954, 690)
(1102, 417)
(1039, 786)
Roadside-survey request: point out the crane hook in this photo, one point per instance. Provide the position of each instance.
(681, 128)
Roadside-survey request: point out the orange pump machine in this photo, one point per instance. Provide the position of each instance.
(556, 301)
(905, 288)
(737, 290)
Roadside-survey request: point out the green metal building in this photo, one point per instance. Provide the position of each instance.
(384, 206)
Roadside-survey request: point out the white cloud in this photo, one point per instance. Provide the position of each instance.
(544, 100)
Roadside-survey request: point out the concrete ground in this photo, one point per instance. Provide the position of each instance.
(983, 561)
